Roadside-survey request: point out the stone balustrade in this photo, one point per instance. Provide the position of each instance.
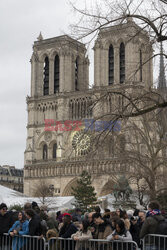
(75, 168)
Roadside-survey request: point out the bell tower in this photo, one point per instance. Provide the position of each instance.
(58, 65)
(122, 55)
(59, 68)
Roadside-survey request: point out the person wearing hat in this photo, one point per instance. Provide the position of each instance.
(68, 227)
(6, 221)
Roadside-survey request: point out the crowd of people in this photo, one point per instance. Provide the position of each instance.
(110, 225)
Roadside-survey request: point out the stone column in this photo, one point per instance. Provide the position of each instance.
(68, 84)
(86, 73)
(97, 68)
(103, 67)
(33, 76)
(40, 79)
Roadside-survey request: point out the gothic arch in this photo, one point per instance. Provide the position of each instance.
(119, 41)
(111, 64)
(107, 188)
(107, 43)
(68, 189)
(43, 56)
(53, 53)
(77, 63)
(80, 107)
(52, 143)
(122, 62)
(77, 57)
(41, 144)
(141, 47)
(39, 141)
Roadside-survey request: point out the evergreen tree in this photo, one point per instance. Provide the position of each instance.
(84, 193)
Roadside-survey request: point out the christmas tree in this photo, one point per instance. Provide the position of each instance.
(84, 193)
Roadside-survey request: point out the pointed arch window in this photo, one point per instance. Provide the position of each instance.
(122, 62)
(76, 75)
(141, 67)
(46, 77)
(54, 151)
(111, 65)
(45, 152)
(56, 74)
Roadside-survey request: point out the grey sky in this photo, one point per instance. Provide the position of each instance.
(20, 24)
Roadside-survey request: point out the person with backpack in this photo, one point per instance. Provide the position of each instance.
(154, 223)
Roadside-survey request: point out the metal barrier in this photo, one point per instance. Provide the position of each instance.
(69, 244)
(154, 242)
(25, 242)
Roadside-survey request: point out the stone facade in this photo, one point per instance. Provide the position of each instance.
(60, 93)
(11, 177)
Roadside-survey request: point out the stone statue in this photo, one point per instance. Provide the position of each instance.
(122, 190)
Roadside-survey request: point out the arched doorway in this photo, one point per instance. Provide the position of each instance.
(107, 188)
(68, 189)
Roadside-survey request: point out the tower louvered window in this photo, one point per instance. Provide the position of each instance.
(54, 151)
(122, 62)
(76, 75)
(56, 74)
(141, 67)
(45, 152)
(46, 77)
(111, 65)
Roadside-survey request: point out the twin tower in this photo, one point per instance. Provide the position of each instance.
(60, 91)
(121, 56)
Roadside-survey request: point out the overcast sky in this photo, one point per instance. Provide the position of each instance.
(20, 24)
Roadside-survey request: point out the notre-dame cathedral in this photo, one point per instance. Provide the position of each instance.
(62, 103)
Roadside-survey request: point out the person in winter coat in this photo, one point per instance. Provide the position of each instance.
(34, 223)
(81, 237)
(104, 227)
(35, 229)
(20, 227)
(67, 230)
(68, 227)
(6, 221)
(124, 217)
(152, 217)
(135, 229)
(120, 233)
(93, 226)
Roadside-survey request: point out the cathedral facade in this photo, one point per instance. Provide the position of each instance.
(62, 105)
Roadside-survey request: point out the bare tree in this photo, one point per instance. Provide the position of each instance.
(151, 17)
(44, 192)
(146, 147)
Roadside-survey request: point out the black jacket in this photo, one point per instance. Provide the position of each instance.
(135, 231)
(150, 224)
(67, 230)
(6, 222)
(35, 228)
